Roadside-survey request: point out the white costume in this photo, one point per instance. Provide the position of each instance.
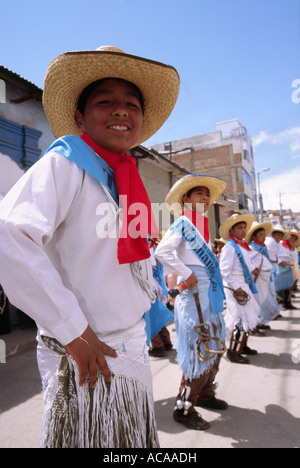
(266, 297)
(243, 316)
(58, 245)
(273, 248)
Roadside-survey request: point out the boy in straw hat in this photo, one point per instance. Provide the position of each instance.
(87, 285)
(237, 268)
(186, 251)
(266, 296)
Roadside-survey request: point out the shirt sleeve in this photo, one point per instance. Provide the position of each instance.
(272, 247)
(166, 254)
(29, 216)
(283, 254)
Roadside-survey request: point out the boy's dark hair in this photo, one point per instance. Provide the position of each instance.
(277, 232)
(257, 231)
(241, 222)
(189, 193)
(90, 88)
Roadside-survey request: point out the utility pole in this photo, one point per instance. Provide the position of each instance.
(260, 200)
(280, 205)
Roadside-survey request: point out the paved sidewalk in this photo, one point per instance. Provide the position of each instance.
(263, 397)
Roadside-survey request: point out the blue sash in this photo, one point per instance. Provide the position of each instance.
(159, 315)
(158, 274)
(248, 277)
(75, 149)
(196, 242)
(261, 249)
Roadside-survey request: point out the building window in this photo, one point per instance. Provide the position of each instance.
(246, 178)
(246, 155)
(19, 142)
(242, 201)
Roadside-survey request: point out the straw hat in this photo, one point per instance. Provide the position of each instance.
(279, 228)
(174, 203)
(267, 226)
(221, 241)
(70, 73)
(294, 232)
(225, 227)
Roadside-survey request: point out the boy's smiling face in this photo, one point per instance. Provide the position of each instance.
(113, 115)
(198, 200)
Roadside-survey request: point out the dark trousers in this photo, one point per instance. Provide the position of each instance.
(161, 338)
(201, 388)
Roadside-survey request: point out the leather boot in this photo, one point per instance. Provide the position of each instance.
(237, 342)
(184, 411)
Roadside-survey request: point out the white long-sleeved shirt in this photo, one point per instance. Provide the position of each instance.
(273, 248)
(175, 254)
(286, 255)
(231, 267)
(58, 251)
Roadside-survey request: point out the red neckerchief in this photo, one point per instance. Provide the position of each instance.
(241, 243)
(287, 245)
(200, 222)
(131, 191)
(260, 243)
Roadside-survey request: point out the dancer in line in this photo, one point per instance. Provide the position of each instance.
(237, 269)
(265, 298)
(186, 251)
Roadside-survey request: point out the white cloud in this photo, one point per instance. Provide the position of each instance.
(286, 183)
(289, 136)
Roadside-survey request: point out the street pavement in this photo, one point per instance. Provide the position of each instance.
(263, 397)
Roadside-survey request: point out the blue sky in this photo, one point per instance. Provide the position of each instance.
(236, 59)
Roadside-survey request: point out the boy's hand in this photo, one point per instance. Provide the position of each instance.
(255, 274)
(239, 292)
(88, 352)
(191, 282)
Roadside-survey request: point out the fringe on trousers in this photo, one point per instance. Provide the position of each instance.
(115, 415)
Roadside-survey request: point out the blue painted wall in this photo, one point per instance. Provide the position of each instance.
(19, 142)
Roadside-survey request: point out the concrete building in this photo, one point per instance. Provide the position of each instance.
(226, 153)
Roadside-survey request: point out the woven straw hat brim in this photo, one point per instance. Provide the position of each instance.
(70, 73)
(225, 227)
(215, 185)
(267, 226)
(293, 232)
(221, 241)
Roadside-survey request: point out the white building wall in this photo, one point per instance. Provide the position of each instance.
(10, 173)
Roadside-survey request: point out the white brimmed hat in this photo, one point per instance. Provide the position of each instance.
(70, 73)
(267, 226)
(225, 227)
(279, 228)
(174, 202)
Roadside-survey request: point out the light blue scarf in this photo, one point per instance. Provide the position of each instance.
(75, 149)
